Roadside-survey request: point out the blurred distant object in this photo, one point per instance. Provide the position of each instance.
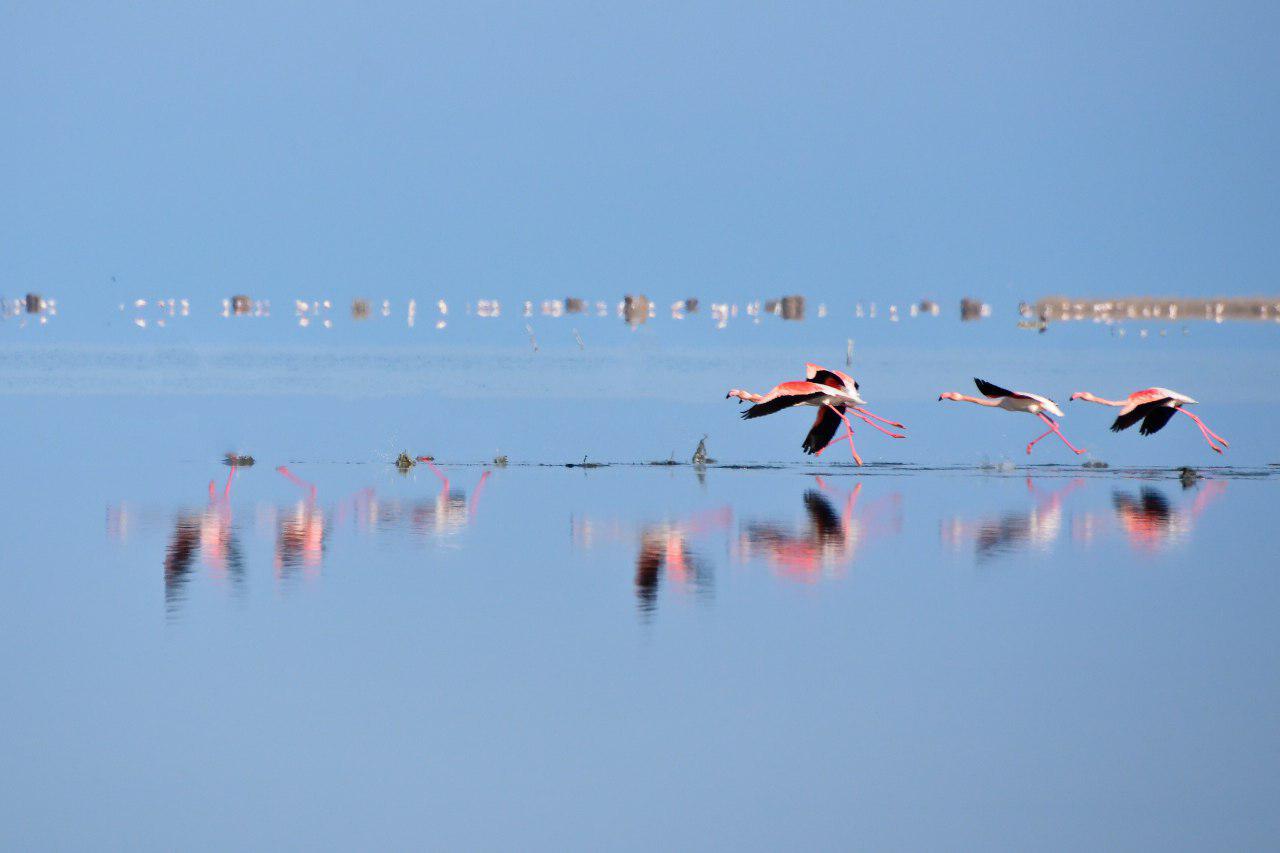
(788, 307)
(360, 309)
(635, 309)
(973, 309)
(1157, 308)
(928, 306)
(681, 307)
(404, 461)
(236, 460)
(574, 305)
(32, 304)
(306, 312)
(241, 305)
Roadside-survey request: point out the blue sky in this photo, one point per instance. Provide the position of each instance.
(519, 149)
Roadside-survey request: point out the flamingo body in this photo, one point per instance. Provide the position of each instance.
(833, 392)
(1154, 408)
(1016, 401)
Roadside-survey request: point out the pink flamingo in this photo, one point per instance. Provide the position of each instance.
(1016, 401)
(1154, 407)
(833, 392)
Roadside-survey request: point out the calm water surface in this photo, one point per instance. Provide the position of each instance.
(319, 651)
(338, 655)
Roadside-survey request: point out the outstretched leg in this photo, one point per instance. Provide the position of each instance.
(849, 434)
(1032, 443)
(1209, 434)
(1054, 427)
(871, 423)
(880, 419)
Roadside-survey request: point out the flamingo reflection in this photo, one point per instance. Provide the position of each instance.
(1014, 531)
(1151, 522)
(450, 512)
(665, 551)
(300, 534)
(208, 534)
(829, 540)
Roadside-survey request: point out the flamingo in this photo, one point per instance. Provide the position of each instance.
(833, 392)
(1016, 401)
(1154, 407)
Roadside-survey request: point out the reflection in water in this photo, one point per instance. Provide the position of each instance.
(664, 550)
(300, 534)
(1150, 521)
(828, 541)
(1037, 529)
(450, 512)
(669, 554)
(208, 534)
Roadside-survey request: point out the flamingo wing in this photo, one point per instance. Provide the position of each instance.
(1156, 419)
(785, 396)
(823, 430)
(989, 390)
(826, 524)
(832, 378)
(1141, 412)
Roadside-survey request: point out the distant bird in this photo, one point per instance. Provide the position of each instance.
(833, 392)
(1016, 401)
(1154, 407)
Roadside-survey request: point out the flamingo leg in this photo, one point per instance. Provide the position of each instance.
(475, 495)
(1054, 427)
(880, 419)
(1208, 433)
(849, 434)
(1032, 443)
(871, 423)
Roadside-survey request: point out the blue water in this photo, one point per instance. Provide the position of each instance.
(955, 646)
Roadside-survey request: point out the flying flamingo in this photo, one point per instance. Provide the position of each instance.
(1154, 407)
(833, 392)
(1016, 401)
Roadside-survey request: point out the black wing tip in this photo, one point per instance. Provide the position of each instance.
(989, 389)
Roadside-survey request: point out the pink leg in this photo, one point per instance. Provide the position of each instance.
(297, 481)
(882, 420)
(868, 421)
(1053, 426)
(1037, 438)
(439, 473)
(849, 434)
(1209, 434)
(475, 495)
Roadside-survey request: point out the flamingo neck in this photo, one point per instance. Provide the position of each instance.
(1091, 398)
(981, 401)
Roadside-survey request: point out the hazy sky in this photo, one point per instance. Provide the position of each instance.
(537, 148)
